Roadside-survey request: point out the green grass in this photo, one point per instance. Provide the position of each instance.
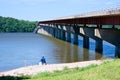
(107, 71)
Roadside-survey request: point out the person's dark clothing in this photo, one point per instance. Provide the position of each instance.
(43, 61)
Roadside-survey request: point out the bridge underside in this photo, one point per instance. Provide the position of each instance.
(64, 33)
(99, 26)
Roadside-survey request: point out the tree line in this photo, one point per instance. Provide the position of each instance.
(8, 24)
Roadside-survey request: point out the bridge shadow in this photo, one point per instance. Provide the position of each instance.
(14, 77)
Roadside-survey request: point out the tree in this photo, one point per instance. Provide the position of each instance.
(8, 24)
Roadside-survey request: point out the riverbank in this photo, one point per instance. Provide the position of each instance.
(33, 70)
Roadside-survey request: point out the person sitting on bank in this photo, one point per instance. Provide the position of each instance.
(43, 60)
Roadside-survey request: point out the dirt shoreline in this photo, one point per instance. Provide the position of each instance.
(32, 70)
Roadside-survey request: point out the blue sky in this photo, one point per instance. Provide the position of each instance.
(36, 10)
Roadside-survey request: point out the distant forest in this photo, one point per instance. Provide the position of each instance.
(8, 24)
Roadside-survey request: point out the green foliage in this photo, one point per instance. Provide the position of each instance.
(8, 24)
(14, 78)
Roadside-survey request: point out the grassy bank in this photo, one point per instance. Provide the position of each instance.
(107, 71)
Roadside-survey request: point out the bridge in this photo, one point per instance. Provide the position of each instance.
(102, 25)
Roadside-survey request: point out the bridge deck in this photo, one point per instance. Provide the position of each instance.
(108, 17)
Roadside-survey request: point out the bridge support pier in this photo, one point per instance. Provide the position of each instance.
(117, 51)
(68, 34)
(62, 32)
(53, 32)
(56, 32)
(99, 45)
(75, 38)
(85, 42)
(63, 35)
(46, 31)
(59, 34)
(76, 32)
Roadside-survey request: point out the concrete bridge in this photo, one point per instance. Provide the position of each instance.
(103, 25)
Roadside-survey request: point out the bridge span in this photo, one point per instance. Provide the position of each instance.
(103, 25)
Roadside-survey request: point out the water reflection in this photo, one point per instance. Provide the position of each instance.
(85, 54)
(67, 52)
(24, 49)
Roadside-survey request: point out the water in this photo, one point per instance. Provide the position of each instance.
(24, 49)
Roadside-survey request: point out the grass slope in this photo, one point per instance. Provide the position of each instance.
(107, 71)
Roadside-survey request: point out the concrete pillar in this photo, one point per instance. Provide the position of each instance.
(59, 33)
(68, 34)
(56, 32)
(86, 42)
(48, 30)
(63, 33)
(53, 32)
(99, 45)
(76, 32)
(117, 51)
(75, 38)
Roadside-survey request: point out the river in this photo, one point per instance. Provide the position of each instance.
(24, 49)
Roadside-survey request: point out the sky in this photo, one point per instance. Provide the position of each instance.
(38, 10)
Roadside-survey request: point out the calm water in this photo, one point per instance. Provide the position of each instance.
(23, 49)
